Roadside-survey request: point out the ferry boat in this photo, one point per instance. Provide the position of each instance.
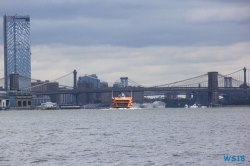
(122, 101)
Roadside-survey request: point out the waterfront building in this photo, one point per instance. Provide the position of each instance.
(17, 50)
(85, 98)
(88, 82)
(46, 86)
(20, 99)
(4, 100)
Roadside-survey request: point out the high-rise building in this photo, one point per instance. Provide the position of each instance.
(90, 79)
(17, 50)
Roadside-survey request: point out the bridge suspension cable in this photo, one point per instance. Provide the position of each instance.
(62, 76)
(135, 83)
(173, 83)
(234, 79)
(45, 82)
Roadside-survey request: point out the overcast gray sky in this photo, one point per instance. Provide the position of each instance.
(151, 42)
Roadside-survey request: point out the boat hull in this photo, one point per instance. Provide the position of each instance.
(70, 107)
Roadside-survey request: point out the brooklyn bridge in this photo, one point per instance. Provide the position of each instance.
(211, 84)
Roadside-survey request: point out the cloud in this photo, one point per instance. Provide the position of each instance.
(215, 14)
(146, 65)
(150, 42)
(133, 23)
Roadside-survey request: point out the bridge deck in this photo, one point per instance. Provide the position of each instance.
(141, 89)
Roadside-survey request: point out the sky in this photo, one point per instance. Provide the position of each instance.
(151, 42)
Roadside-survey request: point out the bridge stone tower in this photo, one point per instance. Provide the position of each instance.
(74, 72)
(213, 95)
(75, 87)
(245, 78)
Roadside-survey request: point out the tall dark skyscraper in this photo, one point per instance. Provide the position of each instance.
(17, 50)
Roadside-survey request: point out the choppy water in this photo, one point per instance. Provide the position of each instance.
(124, 137)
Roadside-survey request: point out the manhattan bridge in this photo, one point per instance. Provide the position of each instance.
(211, 84)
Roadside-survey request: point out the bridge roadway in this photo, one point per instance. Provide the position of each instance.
(141, 89)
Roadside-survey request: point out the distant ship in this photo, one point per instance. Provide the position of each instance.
(69, 107)
(48, 106)
(195, 106)
(122, 101)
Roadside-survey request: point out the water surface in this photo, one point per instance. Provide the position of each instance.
(124, 137)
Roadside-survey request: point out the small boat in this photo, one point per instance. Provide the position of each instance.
(48, 106)
(194, 106)
(122, 101)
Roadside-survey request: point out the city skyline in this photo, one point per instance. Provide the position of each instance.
(152, 43)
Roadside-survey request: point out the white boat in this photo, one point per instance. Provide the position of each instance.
(194, 106)
(48, 106)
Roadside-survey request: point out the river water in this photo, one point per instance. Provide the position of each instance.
(124, 137)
